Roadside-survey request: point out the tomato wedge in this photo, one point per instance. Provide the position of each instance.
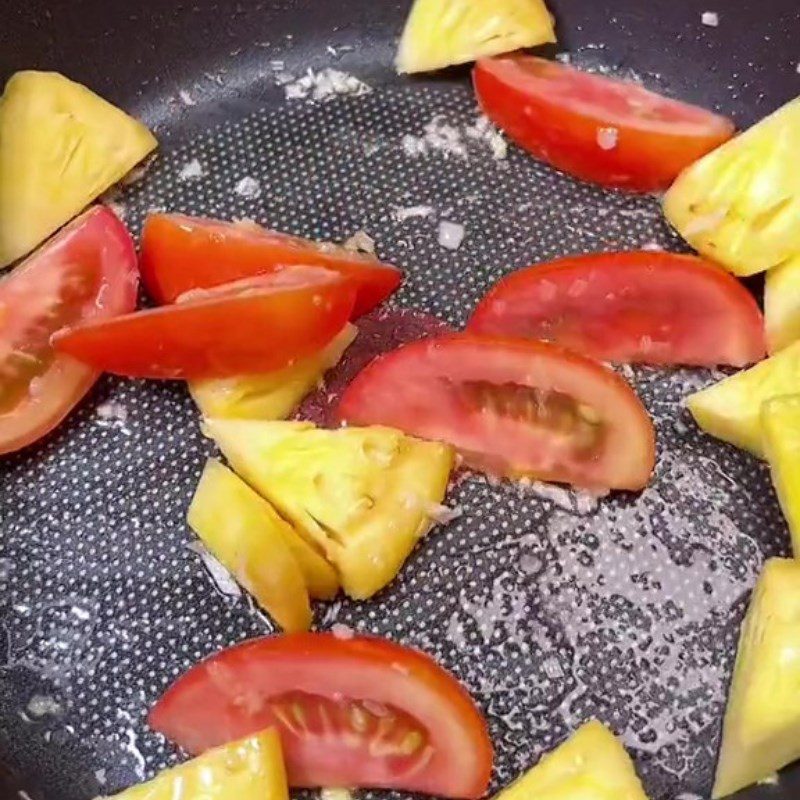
(87, 271)
(645, 307)
(359, 712)
(180, 253)
(599, 129)
(254, 325)
(512, 407)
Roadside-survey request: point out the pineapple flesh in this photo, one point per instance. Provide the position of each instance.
(780, 421)
(731, 409)
(782, 305)
(740, 204)
(269, 395)
(591, 765)
(61, 147)
(440, 33)
(365, 496)
(248, 769)
(249, 539)
(761, 732)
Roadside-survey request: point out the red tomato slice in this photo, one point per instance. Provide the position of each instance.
(255, 325)
(180, 253)
(359, 712)
(599, 129)
(87, 271)
(512, 407)
(651, 308)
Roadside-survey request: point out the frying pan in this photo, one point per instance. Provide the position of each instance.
(550, 610)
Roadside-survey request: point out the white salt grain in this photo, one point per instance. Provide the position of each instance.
(451, 234)
(249, 188)
(710, 18)
(186, 98)
(607, 138)
(191, 170)
(412, 212)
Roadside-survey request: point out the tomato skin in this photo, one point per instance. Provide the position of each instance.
(631, 307)
(236, 692)
(513, 407)
(181, 253)
(93, 259)
(256, 325)
(534, 102)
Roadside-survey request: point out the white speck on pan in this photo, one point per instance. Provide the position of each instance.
(412, 212)
(710, 18)
(248, 188)
(191, 170)
(451, 234)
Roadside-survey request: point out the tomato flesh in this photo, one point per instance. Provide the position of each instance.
(255, 325)
(180, 253)
(512, 407)
(357, 712)
(645, 307)
(87, 271)
(600, 129)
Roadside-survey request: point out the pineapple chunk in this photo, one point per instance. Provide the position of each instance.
(61, 146)
(249, 769)
(440, 33)
(782, 305)
(761, 732)
(780, 421)
(363, 495)
(269, 395)
(321, 579)
(739, 205)
(248, 537)
(731, 409)
(590, 765)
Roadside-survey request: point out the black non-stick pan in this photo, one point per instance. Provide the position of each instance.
(549, 608)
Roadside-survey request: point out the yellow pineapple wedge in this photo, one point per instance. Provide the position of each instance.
(269, 395)
(591, 765)
(440, 33)
(731, 409)
(739, 205)
(61, 146)
(320, 577)
(761, 732)
(249, 539)
(780, 423)
(248, 769)
(782, 305)
(365, 496)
